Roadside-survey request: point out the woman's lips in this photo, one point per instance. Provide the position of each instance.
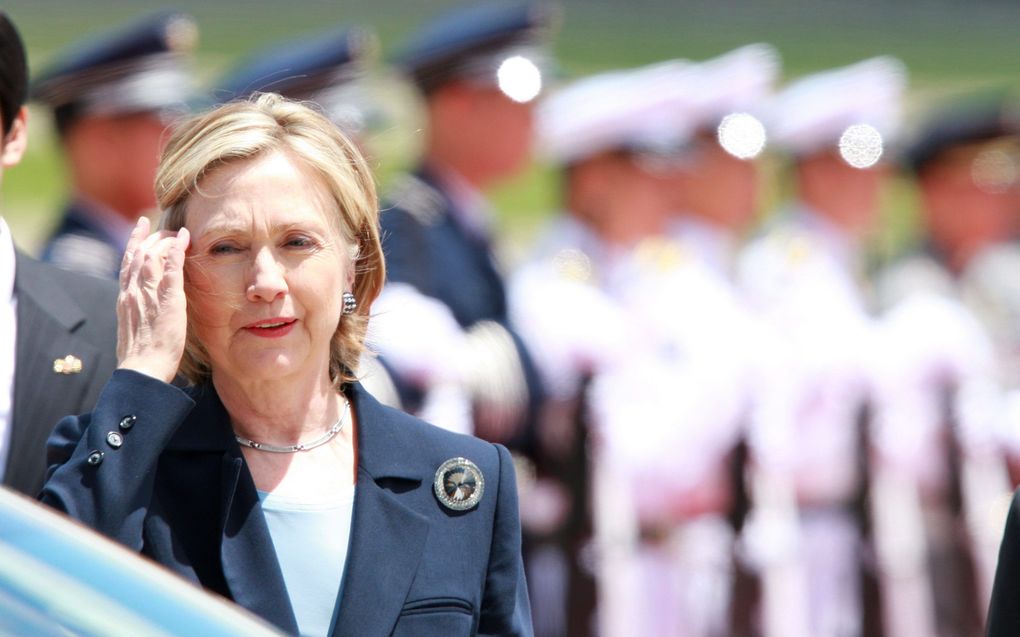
(271, 328)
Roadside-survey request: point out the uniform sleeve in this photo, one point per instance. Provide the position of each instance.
(505, 607)
(1004, 612)
(102, 465)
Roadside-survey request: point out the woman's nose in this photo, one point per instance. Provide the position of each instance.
(267, 280)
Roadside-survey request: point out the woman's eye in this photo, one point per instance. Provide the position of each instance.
(224, 248)
(300, 242)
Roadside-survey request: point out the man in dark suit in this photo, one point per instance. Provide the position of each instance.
(57, 330)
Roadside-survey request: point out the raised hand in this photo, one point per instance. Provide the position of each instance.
(152, 320)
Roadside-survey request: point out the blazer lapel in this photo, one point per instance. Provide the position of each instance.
(247, 557)
(387, 538)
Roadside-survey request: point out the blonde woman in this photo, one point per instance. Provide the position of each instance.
(274, 479)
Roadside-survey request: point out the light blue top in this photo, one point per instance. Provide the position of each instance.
(311, 538)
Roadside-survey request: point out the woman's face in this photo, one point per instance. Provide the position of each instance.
(266, 270)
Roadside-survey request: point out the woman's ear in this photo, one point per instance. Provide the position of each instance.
(16, 140)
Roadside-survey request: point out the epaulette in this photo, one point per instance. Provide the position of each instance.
(661, 255)
(85, 255)
(572, 264)
(423, 202)
(787, 247)
(798, 248)
(910, 275)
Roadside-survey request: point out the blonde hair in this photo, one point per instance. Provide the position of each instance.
(242, 130)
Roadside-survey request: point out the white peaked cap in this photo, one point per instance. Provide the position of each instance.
(813, 112)
(735, 82)
(633, 108)
(658, 106)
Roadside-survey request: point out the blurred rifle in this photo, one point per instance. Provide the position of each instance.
(895, 578)
(980, 485)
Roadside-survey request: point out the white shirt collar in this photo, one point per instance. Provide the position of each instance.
(6, 262)
(8, 338)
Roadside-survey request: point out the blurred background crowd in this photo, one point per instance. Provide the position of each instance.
(735, 282)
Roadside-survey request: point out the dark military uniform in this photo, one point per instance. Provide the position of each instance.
(438, 245)
(137, 69)
(428, 247)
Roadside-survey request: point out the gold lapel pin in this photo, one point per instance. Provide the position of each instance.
(69, 364)
(459, 484)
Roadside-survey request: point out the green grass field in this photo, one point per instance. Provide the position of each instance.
(949, 47)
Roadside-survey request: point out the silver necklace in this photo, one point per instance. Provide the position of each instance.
(301, 446)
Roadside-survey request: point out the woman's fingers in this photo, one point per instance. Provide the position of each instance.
(173, 272)
(138, 234)
(148, 260)
(139, 257)
(156, 250)
(153, 308)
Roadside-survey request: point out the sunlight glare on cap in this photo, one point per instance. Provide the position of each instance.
(861, 145)
(741, 135)
(519, 78)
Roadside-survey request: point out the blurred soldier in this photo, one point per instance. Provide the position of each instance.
(939, 473)
(112, 97)
(947, 392)
(717, 201)
(561, 300)
(649, 340)
(57, 329)
(718, 190)
(965, 161)
(803, 277)
(444, 307)
(329, 70)
(441, 322)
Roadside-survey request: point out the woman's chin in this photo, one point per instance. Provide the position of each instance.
(269, 366)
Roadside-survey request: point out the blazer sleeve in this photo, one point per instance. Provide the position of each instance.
(102, 466)
(505, 606)
(1004, 612)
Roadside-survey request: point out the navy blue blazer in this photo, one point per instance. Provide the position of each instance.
(178, 490)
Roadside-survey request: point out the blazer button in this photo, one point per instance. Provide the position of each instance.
(114, 439)
(127, 422)
(95, 458)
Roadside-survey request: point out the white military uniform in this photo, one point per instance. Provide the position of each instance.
(664, 341)
(801, 279)
(941, 375)
(804, 278)
(667, 348)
